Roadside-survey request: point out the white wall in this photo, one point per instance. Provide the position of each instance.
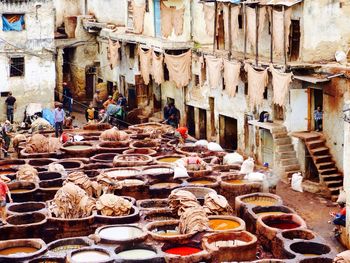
(108, 11)
(66, 8)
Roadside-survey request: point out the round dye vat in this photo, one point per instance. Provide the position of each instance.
(183, 251)
(123, 173)
(18, 250)
(89, 256)
(261, 202)
(20, 191)
(236, 181)
(270, 213)
(137, 254)
(201, 182)
(66, 248)
(120, 233)
(158, 170)
(167, 233)
(223, 224)
(311, 255)
(77, 147)
(169, 159)
(164, 185)
(282, 224)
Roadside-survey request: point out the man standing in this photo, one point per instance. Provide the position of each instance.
(59, 118)
(96, 101)
(4, 190)
(67, 97)
(318, 116)
(10, 106)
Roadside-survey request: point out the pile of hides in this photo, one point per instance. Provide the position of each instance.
(180, 201)
(71, 202)
(131, 182)
(41, 124)
(193, 220)
(343, 257)
(17, 140)
(38, 143)
(27, 173)
(107, 183)
(112, 205)
(233, 158)
(97, 126)
(247, 166)
(57, 168)
(83, 181)
(215, 204)
(114, 135)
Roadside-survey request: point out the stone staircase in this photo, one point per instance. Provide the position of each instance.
(329, 174)
(285, 156)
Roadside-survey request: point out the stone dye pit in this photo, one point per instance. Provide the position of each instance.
(118, 201)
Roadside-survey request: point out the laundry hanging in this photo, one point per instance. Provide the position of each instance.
(251, 23)
(113, 53)
(209, 16)
(138, 16)
(281, 30)
(231, 25)
(214, 69)
(179, 67)
(257, 82)
(280, 84)
(171, 18)
(232, 71)
(12, 22)
(145, 64)
(157, 68)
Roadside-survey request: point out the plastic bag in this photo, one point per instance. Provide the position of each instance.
(214, 147)
(233, 158)
(247, 166)
(297, 179)
(341, 197)
(202, 143)
(180, 172)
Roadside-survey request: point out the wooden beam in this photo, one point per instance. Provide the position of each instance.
(257, 35)
(284, 36)
(229, 30)
(245, 29)
(271, 43)
(215, 25)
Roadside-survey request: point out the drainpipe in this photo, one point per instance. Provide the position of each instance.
(229, 31)
(284, 36)
(245, 29)
(85, 7)
(257, 35)
(215, 26)
(271, 43)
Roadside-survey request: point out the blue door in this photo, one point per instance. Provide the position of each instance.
(157, 20)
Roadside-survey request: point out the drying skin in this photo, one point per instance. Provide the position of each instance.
(57, 168)
(214, 69)
(157, 68)
(209, 16)
(40, 144)
(83, 181)
(232, 25)
(343, 257)
(27, 173)
(251, 23)
(17, 140)
(215, 204)
(280, 84)
(108, 183)
(114, 134)
(193, 220)
(257, 81)
(71, 202)
(145, 64)
(112, 205)
(113, 53)
(179, 67)
(279, 27)
(232, 71)
(180, 201)
(138, 16)
(171, 18)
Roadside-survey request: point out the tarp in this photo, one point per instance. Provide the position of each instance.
(49, 116)
(12, 26)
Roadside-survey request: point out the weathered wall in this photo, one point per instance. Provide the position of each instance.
(36, 45)
(108, 11)
(66, 8)
(199, 32)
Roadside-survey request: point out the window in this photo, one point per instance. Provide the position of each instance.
(223, 84)
(246, 88)
(196, 80)
(237, 89)
(13, 22)
(265, 93)
(147, 5)
(17, 67)
(132, 50)
(240, 22)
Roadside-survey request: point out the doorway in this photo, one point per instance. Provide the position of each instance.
(191, 121)
(90, 79)
(316, 100)
(266, 147)
(132, 99)
(220, 38)
(202, 124)
(228, 132)
(212, 116)
(294, 40)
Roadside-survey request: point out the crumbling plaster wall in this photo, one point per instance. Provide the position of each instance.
(199, 32)
(66, 8)
(108, 11)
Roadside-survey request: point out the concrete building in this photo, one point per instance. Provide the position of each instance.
(27, 61)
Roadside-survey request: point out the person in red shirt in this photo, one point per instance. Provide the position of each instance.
(182, 133)
(4, 190)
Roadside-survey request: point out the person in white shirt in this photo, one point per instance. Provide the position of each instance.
(59, 118)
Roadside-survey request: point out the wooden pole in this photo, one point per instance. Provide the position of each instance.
(257, 35)
(271, 44)
(215, 25)
(229, 30)
(245, 29)
(284, 36)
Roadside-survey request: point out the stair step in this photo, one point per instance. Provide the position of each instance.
(279, 135)
(322, 158)
(312, 137)
(334, 198)
(316, 143)
(290, 173)
(285, 148)
(292, 167)
(326, 165)
(289, 161)
(336, 183)
(283, 141)
(335, 190)
(327, 171)
(331, 177)
(279, 129)
(320, 151)
(287, 155)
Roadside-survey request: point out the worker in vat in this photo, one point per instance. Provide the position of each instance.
(182, 134)
(110, 100)
(4, 190)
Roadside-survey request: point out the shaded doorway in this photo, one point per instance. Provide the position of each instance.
(90, 79)
(266, 147)
(294, 40)
(202, 124)
(212, 116)
(228, 132)
(190, 121)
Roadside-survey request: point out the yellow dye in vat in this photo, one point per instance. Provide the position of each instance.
(164, 185)
(201, 182)
(78, 147)
(169, 159)
(260, 202)
(223, 224)
(270, 213)
(236, 181)
(311, 255)
(20, 191)
(18, 250)
(90, 256)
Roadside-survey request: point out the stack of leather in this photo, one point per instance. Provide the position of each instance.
(180, 201)
(112, 205)
(193, 220)
(215, 204)
(27, 173)
(114, 135)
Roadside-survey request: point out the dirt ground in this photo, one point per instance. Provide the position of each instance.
(314, 210)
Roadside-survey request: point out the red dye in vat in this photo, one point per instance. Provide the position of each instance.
(283, 225)
(183, 251)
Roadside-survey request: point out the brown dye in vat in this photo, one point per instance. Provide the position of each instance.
(201, 182)
(7, 166)
(5, 172)
(18, 250)
(168, 159)
(52, 188)
(90, 256)
(310, 255)
(20, 191)
(78, 147)
(223, 224)
(164, 185)
(270, 213)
